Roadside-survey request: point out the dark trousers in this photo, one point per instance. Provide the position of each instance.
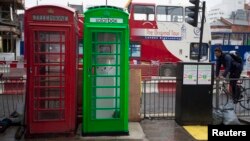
(233, 83)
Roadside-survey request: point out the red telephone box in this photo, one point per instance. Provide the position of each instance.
(50, 41)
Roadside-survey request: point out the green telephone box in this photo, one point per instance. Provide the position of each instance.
(105, 95)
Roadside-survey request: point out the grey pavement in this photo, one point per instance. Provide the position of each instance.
(135, 134)
(164, 130)
(155, 130)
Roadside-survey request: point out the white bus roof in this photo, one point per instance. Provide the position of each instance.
(163, 3)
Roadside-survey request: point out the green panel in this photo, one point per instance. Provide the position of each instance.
(105, 96)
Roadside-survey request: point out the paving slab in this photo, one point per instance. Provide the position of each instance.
(135, 134)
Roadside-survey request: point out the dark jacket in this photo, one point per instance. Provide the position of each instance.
(228, 63)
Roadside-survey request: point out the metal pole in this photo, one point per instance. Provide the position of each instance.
(144, 102)
(106, 2)
(217, 93)
(202, 28)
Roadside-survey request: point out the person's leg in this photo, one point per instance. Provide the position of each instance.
(233, 83)
(233, 86)
(237, 88)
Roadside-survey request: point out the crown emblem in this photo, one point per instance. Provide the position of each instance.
(50, 11)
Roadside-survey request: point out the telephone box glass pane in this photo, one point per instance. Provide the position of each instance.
(50, 47)
(48, 104)
(49, 58)
(48, 36)
(107, 92)
(106, 71)
(107, 103)
(49, 81)
(47, 92)
(107, 114)
(105, 81)
(106, 37)
(106, 59)
(49, 115)
(50, 70)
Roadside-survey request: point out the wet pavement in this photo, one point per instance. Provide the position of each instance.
(164, 130)
(155, 130)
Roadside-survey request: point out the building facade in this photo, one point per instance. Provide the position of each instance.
(10, 29)
(225, 9)
(238, 21)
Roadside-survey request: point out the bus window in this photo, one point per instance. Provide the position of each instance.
(80, 47)
(217, 38)
(236, 39)
(144, 13)
(194, 51)
(169, 14)
(135, 50)
(80, 50)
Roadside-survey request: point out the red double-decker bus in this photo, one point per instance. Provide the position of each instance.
(159, 33)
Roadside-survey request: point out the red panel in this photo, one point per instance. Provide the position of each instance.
(167, 87)
(13, 65)
(14, 87)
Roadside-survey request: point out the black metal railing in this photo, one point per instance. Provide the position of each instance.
(158, 98)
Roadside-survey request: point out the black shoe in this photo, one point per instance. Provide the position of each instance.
(240, 97)
(4, 124)
(235, 101)
(14, 114)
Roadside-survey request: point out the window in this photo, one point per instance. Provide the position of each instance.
(135, 49)
(247, 40)
(169, 14)
(194, 51)
(5, 14)
(226, 39)
(217, 38)
(236, 39)
(144, 13)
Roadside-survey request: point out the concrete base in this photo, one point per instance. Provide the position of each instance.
(135, 134)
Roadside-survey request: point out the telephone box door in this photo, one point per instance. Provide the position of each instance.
(104, 82)
(48, 88)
